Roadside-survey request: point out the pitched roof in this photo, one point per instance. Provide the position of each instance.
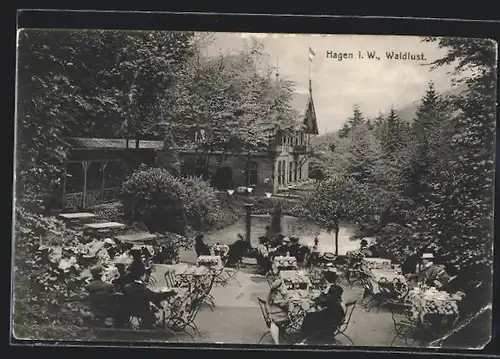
(303, 103)
(109, 143)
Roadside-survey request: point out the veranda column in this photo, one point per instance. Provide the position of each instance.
(103, 186)
(85, 165)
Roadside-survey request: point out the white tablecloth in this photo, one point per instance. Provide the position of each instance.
(209, 261)
(376, 263)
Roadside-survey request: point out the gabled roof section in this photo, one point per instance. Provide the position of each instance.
(303, 103)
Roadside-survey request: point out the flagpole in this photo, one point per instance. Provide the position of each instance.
(309, 61)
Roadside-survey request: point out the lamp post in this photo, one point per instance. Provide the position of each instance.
(248, 221)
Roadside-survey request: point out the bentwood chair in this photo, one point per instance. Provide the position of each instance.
(349, 306)
(266, 314)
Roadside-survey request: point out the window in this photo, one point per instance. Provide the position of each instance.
(296, 139)
(283, 172)
(279, 172)
(253, 173)
(301, 137)
(300, 172)
(290, 172)
(295, 171)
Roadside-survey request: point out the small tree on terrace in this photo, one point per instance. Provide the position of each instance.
(333, 202)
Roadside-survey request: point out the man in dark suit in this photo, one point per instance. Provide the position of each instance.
(430, 273)
(100, 296)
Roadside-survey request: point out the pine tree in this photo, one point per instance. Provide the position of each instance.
(426, 130)
(364, 154)
(393, 134)
(355, 120)
(378, 125)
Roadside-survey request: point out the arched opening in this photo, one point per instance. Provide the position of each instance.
(223, 179)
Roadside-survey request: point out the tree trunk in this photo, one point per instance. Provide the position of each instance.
(337, 239)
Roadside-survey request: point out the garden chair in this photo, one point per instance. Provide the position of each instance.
(267, 315)
(377, 298)
(404, 326)
(183, 316)
(349, 306)
(170, 278)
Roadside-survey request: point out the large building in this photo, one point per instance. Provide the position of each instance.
(284, 162)
(96, 167)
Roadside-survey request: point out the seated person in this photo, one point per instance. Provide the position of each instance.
(409, 265)
(136, 269)
(319, 327)
(200, 247)
(138, 298)
(100, 295)
(120, 281)
(312, 258)
(282, 249)
(263, 255)
(237, 251)
(297, 250)
(277, 307)
(430, 272)
(448, 279)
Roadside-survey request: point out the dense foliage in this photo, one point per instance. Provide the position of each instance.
(427, 184)
(164, 202)
(96, 83)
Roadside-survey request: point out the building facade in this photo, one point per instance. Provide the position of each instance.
(96, 167)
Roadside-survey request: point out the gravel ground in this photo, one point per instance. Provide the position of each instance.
(236, 317)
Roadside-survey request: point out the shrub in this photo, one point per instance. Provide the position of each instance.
(166, 203)
(201, 204)
(155, 197)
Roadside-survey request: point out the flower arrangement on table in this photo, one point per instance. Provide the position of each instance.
(357, 254)
(209, 261)
(432, 301)
(221, 250)
(376, 263)
(289, 262)
(296, 281)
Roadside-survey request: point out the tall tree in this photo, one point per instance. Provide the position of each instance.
(466, 213)
(235, 103)
(393, 136)
(364, 154)
(98, 83)
(355, 120)
(332, 202)
(428, 138)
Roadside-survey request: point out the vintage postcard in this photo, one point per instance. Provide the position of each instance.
(260, 189)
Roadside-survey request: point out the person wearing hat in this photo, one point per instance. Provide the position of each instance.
(136, 270)
(97, 285)
(110, 247)
(429, 272)
(99, 297)
(327, 258)
(318, 327)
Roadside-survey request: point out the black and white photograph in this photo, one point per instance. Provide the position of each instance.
(253, 188)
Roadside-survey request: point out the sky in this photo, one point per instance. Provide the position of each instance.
(375, 85)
